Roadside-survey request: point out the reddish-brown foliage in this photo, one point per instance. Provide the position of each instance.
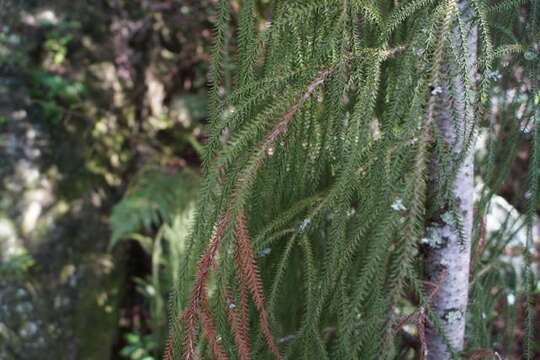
(168, 353)
(283, 124)
(243, 290)
(198, 293)
(240, 336)
(247, 271)
(244, 310)
(210, 332)
(253, 279)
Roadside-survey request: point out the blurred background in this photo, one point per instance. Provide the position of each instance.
(103, 112)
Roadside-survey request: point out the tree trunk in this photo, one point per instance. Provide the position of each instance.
(447, 252)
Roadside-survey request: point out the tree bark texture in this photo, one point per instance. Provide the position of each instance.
(447, 251)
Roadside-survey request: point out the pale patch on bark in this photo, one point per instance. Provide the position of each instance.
(446, 250)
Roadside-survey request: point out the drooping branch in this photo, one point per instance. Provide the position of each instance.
(253, 278)
(199, 289)
(238, 327)
(244, 309)
(190, 315)
(210, 331)
(282, 126)
(263, 149)
(248, 271)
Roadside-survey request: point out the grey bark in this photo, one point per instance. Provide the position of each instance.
(447, 252)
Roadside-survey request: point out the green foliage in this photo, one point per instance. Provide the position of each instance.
(57, 48)
(139, 347)
(10, 52)
(329, 162)
(502, 290)
(154, 198)
(319, 133)
(87, 132)
(156, 211)
(60, 35)
(17, 266)
(56, 95)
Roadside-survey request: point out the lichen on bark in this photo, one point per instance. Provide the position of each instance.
(452, 216)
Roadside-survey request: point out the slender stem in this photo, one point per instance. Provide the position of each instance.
(450, 230)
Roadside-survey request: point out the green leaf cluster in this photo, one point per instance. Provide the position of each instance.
(332, 171)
